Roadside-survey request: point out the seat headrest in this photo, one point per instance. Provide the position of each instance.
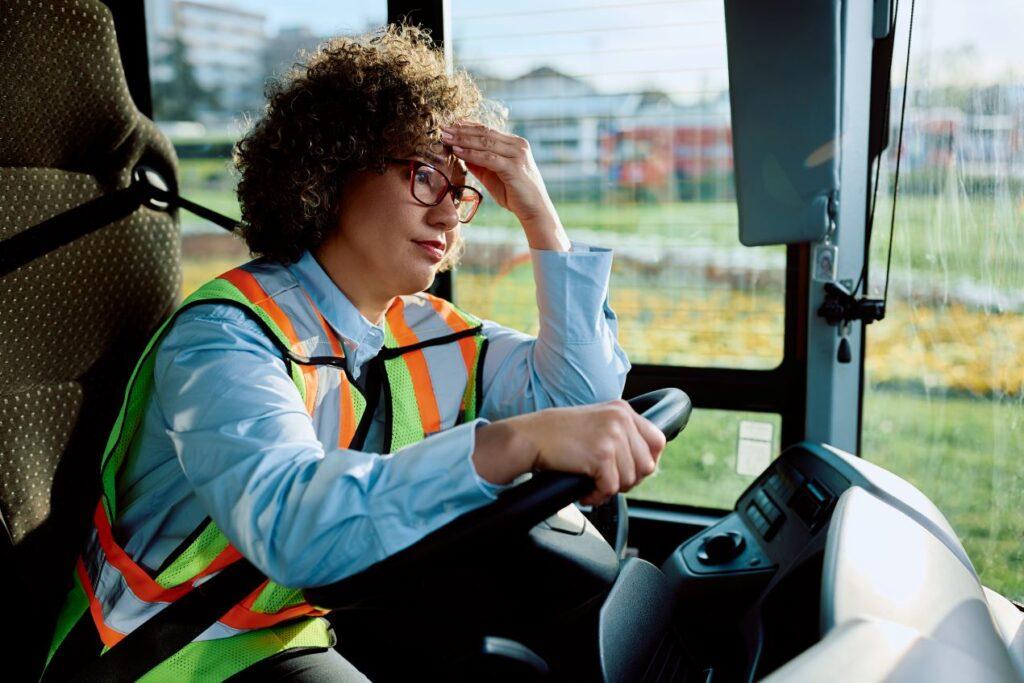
(64, 97)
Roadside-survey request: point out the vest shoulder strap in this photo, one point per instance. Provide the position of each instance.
(140, 383)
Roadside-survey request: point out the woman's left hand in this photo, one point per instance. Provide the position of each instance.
(505, 166)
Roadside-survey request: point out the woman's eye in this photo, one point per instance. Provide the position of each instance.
(423, 176)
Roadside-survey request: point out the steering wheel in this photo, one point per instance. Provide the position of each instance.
(515, 511)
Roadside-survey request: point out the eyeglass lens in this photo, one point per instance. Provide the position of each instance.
(429, 187)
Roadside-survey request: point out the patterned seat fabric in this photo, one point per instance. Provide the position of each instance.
(72, 322)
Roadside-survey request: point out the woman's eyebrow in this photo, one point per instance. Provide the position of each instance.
(438, 159)
(458, 168)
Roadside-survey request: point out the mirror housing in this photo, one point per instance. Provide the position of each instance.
(784, 87)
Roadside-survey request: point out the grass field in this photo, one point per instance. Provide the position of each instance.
(967, 456)
(953, 234)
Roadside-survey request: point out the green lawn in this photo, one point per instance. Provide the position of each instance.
(693, 223)
(966, 455)
(699, 466)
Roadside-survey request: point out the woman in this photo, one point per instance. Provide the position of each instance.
(282, 413)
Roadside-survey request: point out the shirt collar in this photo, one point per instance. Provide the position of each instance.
(356, 331)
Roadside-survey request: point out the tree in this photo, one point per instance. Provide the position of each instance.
(180, 97)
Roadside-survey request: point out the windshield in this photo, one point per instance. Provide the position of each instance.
(945, 370)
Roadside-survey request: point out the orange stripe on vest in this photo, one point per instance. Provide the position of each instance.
(467, 345)
(417, 364)
(347, 408)
(247, 284)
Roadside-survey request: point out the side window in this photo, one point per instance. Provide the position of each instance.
(944, 378)
(209, 64)
(627, 113)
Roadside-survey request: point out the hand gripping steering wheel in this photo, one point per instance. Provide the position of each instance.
(515, 511)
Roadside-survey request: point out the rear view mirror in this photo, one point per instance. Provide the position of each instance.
(784, 85)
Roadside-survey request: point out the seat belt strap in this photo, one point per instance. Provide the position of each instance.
(66, 227)
(174, 627)
(84, 219)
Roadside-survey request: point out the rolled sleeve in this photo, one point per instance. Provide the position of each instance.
(575, 358)
(572, 293)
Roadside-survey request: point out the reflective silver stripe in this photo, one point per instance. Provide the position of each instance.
(327, 415)
(124, 611)
(449, 383)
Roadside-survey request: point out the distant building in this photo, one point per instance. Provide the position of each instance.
(159, 33)
(979, 132)
(587, 142)
(224, 45)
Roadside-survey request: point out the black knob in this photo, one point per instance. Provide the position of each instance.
(721, 547)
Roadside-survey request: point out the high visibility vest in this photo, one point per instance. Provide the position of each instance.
(428, 375)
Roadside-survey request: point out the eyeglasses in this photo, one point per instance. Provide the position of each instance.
(429, 187)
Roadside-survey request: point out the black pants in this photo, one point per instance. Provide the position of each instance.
(303, 664)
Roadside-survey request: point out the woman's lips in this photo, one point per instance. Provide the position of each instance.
(433, 248)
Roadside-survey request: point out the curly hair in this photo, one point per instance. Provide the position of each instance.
(351, 105)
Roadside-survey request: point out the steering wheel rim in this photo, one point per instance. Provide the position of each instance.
(518, 509)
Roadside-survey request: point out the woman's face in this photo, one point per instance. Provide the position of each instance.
(385, 237)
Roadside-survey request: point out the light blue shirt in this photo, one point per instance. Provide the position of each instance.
(225, 434)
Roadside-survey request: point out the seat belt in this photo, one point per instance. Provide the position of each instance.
(172, 628)
(147, 188)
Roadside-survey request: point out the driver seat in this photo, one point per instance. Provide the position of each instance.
(73, 321)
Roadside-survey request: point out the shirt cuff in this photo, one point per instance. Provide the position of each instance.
(572, 292)
(490, 490)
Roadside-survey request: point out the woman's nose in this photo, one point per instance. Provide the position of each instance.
(445, 215)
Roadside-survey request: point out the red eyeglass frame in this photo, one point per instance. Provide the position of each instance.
(450, 187)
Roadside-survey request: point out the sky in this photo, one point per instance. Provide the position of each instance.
(677, 46)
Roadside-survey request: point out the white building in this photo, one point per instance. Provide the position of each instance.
(224, 45)
(572, 127)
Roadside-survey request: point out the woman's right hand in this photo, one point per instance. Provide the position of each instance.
(608, 442)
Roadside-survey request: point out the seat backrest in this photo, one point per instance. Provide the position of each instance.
(73, 322)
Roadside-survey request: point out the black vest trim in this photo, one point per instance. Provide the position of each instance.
(181, 547)
(480, 376)
(390, 353)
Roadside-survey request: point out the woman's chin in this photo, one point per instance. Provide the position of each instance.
(416, 281)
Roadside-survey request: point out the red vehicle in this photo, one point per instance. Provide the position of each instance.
(651, 157)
